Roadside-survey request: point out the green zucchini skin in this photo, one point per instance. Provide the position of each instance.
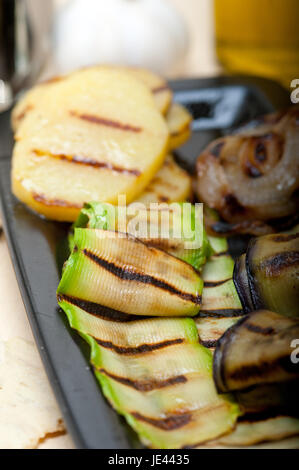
(155, 373)
(103, 216)
(221, 307)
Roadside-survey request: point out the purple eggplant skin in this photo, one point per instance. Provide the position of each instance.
(257, 350)
(242, 284)
(272, 264)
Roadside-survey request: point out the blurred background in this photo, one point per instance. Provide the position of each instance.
(42, 38)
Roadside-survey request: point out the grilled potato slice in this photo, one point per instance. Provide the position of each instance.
(179, 123)
(92, 136)
(171, 184)
(158, 86)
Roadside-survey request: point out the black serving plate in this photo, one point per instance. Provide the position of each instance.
(218, 105)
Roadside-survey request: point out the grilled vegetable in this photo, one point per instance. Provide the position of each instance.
(166, 227)
(251, 432)
(289, 443)
(156, 374)
(253, 175)
(171, 184)
(210, 330)
(221, 307)
(92, 136)
(257, 350)
(156, 85)
(119, 272)
(220, 298)
(280, 398)
(272, 267)
(242, 284)
(179, 122)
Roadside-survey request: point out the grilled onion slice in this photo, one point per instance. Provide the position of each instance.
(257, 350)
(119, 272)
(254, 174)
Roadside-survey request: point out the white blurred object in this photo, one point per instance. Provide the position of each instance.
(145, 33)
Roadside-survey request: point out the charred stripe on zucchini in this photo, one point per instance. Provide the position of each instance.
(122, 273)
(132, 275)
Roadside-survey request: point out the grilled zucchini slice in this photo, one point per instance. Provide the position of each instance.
(119, 272)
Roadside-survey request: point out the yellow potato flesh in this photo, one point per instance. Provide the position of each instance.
(93, 136)
(179, 123)
(158, 87)
(171, 184)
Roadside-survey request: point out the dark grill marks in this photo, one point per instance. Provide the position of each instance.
(218, 255)
(258, 329)
(212, 343)
(285, 238)
(127, 275)
(264, 369)
(170, 423)
(216, 149)
(142, 349)
(145, 385)
(54, 202)
(233, 205)
(209, 284)
(99, 310)
(106, 122)
(275, 266)
(221, 313)
(161, 88)
(26, 110)
(87, 162)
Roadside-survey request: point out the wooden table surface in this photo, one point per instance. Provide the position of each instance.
(199, 62)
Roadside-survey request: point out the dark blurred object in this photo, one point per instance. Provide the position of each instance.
(259, 37)
(252, 177)
(267, 276)
(257, 350)
(23, 45)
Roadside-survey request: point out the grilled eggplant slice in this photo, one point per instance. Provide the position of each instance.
(156, 374)
(171, 184)
(272, 268)
(94, 136)
(119, 272)
(165, 227)
(179, 122)
(257, 350)
(242, 284)
(280, 398)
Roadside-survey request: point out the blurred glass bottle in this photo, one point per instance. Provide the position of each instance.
(23, 44)
(259, 37)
